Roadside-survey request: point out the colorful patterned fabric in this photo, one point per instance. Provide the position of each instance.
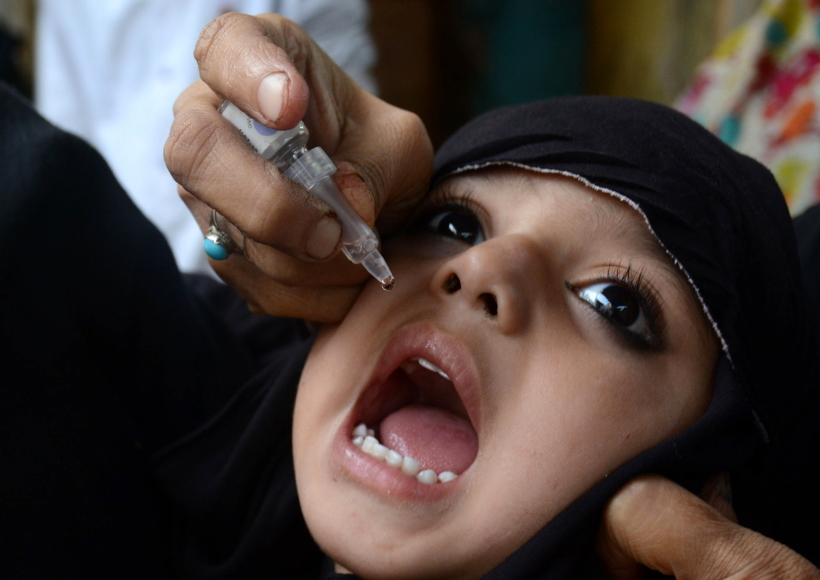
(760, 92)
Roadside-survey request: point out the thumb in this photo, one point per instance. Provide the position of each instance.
(655, 523)
(250, 62)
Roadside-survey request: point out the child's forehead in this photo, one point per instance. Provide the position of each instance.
(505, 187)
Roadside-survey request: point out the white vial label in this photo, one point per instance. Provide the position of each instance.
(257, 134)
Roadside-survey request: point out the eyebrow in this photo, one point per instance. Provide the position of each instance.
(609, 221)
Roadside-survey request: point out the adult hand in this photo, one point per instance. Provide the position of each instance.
(655, 523)
(271, 69)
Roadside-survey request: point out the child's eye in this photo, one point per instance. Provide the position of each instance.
(454, 224)
(617, 304)
(630, 310)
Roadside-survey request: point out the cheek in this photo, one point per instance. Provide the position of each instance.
(559, 427)
(332, 373)
(578, 429)
(316, 393)
(578, 418)
(690, 382)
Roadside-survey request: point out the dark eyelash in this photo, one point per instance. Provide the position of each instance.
(649, 301)
(447, 198)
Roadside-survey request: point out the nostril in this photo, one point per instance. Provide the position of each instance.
(452, 284)
(490, 304)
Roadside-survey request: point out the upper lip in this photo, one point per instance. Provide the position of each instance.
(443, 350)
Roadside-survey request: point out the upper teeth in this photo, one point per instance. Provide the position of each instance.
(430, 366)
(364, 438)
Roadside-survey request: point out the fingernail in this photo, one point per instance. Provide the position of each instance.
(271, 95)
(324, 239)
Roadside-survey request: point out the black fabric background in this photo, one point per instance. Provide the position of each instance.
(107, 356)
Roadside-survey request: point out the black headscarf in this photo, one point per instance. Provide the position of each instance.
(722, 219)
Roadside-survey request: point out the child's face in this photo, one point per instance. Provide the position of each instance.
(573, 344)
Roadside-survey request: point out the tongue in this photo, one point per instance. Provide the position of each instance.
(437, 439)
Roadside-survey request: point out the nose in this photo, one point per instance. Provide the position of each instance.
(494, 280)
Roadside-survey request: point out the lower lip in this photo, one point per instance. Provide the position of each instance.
(388, 481)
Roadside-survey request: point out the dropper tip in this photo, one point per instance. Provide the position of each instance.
(388, 283)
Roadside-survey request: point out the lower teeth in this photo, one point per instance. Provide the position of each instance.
(365, 439)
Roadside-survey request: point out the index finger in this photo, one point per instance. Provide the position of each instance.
(209, 158)
(656, 523)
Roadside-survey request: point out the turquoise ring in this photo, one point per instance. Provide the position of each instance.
(218, 244)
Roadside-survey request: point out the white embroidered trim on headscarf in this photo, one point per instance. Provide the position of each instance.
(631, 204)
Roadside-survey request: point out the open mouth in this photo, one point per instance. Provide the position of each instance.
(415, 419)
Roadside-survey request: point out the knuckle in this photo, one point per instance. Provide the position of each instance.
(296, 42)
(730, 548)
(221, 31)
(265, 214)
(209, 35)
(748, 555)
(411, 125)
(413, 141)
(272, 263)
(189, 145)
(281, 214)
(186, 95)
(780, 563)
(406, 125)
(276, 21)
(286, 34)
(410, 141)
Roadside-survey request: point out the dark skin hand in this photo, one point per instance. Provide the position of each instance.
(291, 264)
(654, 523)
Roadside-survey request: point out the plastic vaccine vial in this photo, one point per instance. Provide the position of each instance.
(287, 150)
